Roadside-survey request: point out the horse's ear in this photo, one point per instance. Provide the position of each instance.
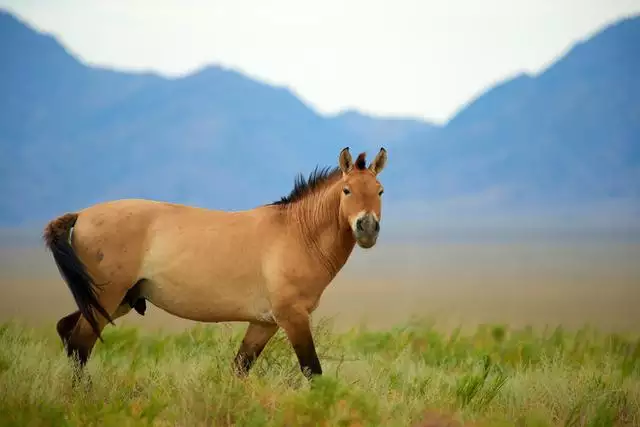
(379, 162)
(345, 161)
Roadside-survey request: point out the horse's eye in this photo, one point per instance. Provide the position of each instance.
(346, 191)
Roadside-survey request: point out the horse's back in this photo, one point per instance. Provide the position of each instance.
(136, 222)
(128, 216)
(128, 207)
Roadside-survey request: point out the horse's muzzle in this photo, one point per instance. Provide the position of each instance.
(366, 230)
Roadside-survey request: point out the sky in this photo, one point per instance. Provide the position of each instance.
(417, 58)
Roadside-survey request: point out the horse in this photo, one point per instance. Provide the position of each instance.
(267, 266)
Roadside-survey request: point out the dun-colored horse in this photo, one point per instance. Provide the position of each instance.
(267, 266)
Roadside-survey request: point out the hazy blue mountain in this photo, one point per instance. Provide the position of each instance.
(72, 135)
(568, 136)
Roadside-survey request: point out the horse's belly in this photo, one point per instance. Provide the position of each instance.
(213, 302)
(196, 279)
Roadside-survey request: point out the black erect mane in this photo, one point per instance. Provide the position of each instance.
(317, 178)
(302, 186)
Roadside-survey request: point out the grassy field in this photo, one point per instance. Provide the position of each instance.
(160, 370)
(399, 377)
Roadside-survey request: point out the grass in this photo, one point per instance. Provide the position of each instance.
(492, 377)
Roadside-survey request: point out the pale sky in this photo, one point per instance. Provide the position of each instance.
(396, 57)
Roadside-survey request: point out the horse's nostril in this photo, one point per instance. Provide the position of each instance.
(377, 226)
(359, 224)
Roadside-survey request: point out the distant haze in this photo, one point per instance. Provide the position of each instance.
(409, 57)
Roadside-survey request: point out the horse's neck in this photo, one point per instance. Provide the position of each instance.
(323, 233)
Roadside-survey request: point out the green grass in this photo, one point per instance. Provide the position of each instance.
(492, 377)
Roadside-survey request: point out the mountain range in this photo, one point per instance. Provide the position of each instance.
(72, 134)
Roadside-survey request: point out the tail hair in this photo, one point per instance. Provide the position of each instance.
(82, 286)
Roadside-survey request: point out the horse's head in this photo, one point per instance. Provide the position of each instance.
(361, 203)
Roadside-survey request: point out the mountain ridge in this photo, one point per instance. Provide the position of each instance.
(217, 138)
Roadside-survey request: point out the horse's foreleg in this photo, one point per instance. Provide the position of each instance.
(296, 324)
(254, 341)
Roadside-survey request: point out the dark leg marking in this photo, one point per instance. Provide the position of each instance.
(253, 343)
(307, 357)
(65, 326)
(296, 325)
(78, 354)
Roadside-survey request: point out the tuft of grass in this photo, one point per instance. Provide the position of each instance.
(411, 375)
(480, 388)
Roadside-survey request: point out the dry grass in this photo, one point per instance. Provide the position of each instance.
(408, 376)
(411, 375)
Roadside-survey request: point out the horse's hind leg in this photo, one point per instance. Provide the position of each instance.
(65, 326)
(132, 299)
(82, 337)
(82, 346)
(255, 340)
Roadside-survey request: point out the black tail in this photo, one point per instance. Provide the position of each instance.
(82, 287)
